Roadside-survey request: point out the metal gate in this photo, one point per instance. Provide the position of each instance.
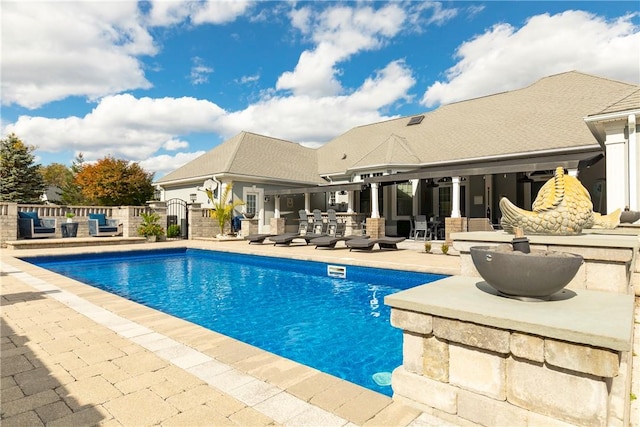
(177, 219)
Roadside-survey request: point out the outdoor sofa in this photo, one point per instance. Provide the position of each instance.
(30, 226)
(100, 226)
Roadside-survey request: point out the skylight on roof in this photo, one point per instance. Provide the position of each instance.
(415, 120)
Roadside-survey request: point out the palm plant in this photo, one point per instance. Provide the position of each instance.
(223, 209)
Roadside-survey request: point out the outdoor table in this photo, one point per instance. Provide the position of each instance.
(69, 229)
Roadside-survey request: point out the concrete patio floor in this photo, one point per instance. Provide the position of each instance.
(75, 355)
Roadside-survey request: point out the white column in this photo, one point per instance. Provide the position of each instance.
(350, 195)
(375, 213)
(616, 164)
(414, 193)
(307, 203)
(634, 165)
(455, 197)
(276, 210)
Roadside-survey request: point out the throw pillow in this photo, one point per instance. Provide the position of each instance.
(31, 215)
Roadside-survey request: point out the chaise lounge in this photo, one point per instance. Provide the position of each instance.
(30, 226)
(101, 226)
(257, 238)
(368, 244)
(331, 241)
(286, 238)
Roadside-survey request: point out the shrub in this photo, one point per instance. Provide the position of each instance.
(444, 248)
(173, 231)
(427, 247)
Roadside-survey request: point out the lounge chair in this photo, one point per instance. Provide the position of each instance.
(30, 226)
(100, 226)
(257, 238)
(331, 241)
(286, 238)
(368, 244)
(318, 222)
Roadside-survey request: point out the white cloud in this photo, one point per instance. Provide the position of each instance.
(220, 12)
(506, 58)
(171, 12)
(338, 32)
(315, 120)
(175, 144)
(122, 126)
(53, 50)
(163, 164)
(199, 71)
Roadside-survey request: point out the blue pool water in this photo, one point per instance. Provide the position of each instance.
(288, 307)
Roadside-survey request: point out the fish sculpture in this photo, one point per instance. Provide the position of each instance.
(563, 207)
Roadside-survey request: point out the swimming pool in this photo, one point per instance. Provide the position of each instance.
(301, 310)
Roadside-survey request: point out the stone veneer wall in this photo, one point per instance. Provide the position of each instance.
(494, 376)
(129, 216)
(491, 373)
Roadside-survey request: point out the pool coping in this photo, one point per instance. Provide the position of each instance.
(266, 382)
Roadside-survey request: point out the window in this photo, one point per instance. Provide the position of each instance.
(415, 120)
(404, 199)
(444, 199)
(251, 203)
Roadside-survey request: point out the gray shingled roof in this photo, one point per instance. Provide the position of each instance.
(254, 156)
(630, 102)
(547, 115)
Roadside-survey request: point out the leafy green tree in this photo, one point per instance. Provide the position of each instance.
(56, 175)
(20, 178)
(115, 182)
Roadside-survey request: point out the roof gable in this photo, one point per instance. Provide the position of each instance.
(547, 115)
(255, 156)
(392, 151)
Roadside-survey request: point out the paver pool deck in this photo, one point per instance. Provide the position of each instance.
(73, 355)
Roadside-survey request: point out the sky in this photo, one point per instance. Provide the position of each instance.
(162, 82)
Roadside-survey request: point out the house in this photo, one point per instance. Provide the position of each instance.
(453, 162)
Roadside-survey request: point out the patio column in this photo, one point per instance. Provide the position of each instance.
(414, 200)
(634, 164)
(617, 166)
(455, 197)
(276, 209)
(375, 213)
(350, 201)
(307, 203)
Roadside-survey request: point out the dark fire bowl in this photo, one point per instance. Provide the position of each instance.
(536, 275)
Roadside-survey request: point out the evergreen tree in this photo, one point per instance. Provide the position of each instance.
(71, 191)
(20, 178)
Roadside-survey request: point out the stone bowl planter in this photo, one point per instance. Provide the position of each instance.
(527, 276)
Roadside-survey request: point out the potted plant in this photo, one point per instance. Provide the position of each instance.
(150, 227)
(223, 209)
(69, 216)
(173, 231)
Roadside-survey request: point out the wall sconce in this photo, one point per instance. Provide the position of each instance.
(156, 194)
(193, 197)
(266, 199)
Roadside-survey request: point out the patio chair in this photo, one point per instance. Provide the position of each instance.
(30, 226)
(334, 228)
(318, 222)
(368, 244)
(421, 228)
(304, 226)
(101, 226)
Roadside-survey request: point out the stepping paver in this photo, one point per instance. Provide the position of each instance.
(175, 373)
